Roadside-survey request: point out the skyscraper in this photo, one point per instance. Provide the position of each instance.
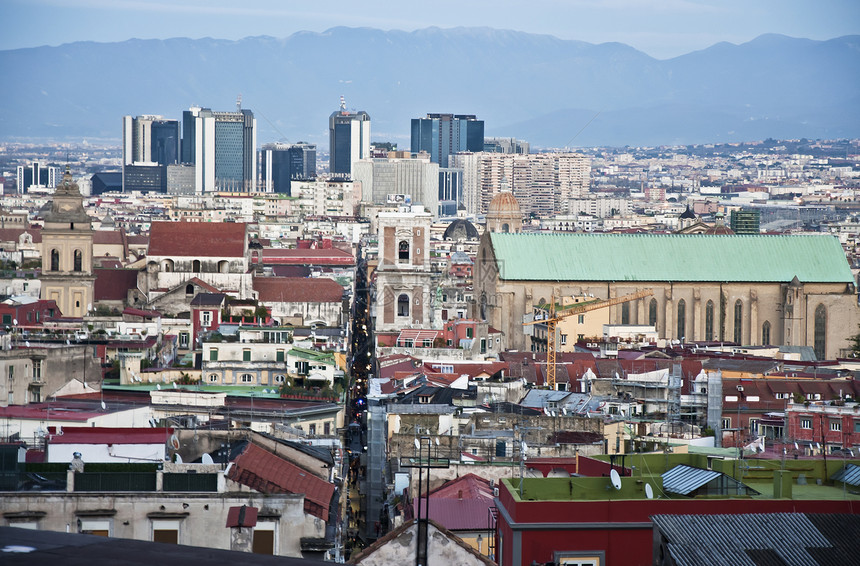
(149, 145)
(222, 147)
(36, 174)
(349, 140)
(282, 163)
(442, 135)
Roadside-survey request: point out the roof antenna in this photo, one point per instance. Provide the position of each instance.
(239, 102)
(342, 104)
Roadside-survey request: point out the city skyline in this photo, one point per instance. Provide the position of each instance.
(664, 29)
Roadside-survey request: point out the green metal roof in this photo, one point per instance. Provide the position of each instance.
(670, 257)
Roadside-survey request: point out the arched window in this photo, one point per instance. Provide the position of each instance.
(820, 343)
(189, 290)
(709, 321)
(739, 320)
(506, 228)
(625, 313)
(195, 266)
(682, 319)
(79, 260)
(652, 312)
(403, 305)
(167, 266)
(223, 266)
(765, 333)
(403, 250)
(55, 260)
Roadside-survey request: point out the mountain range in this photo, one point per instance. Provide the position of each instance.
(547, 91)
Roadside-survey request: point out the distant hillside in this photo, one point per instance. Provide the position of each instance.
(535, 87)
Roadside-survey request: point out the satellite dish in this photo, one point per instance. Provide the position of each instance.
(27, 343)
(818, 445)
(417, 445)
(207, 459)
(649, 491)
(158, 386)
(15, 321)
(175, 386)
(178, 458)
(103, 406)
(615, 479)
(437, 440)
(174, 441)
(796, 447)
(564, 411)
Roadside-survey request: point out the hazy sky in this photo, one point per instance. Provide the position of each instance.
(661, 28)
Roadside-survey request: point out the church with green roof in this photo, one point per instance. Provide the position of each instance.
(753, 290)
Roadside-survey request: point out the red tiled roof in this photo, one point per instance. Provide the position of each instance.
(259, 469)
(104, 237)
(331, 256)
(298, 290)
(138, 312)
(113, 284)
(243, 516)
(197, 239)
(12, 234)
(105, 435)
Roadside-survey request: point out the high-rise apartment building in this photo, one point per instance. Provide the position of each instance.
(282, 163)
(442, 135)
(222, 147)
(543, 183)
(349, 140)
(414, 176)
(36, 174)
(505, 145)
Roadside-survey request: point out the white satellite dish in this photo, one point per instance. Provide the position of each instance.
(649, 491)
(796, 447)
(27, 343)
(417, 445)
(15, 321)
(207, 459)
(178, 458)
(564, 411)
(437, 440)
(103, 406)
(158, 386)
(615, 479)
(175, 386)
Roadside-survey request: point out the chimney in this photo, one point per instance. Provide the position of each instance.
(460, 494)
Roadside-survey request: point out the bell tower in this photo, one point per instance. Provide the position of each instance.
(67, 251)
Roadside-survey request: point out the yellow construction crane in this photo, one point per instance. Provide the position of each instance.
(553, 319)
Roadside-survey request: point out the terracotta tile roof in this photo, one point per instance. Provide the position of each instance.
(12, 234)
(113, 284)
(198, 239)
(106, 435)
(307, 257)
(108, 237)
(298, 290)
(261, 470)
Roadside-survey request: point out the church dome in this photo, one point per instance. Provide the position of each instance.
(460, 229)
(504, 203)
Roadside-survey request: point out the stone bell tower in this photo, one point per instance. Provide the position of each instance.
(67, 251)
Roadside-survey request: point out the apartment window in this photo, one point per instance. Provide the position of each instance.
(579, 558)
(625, 313)
(279, 355)
(37, 370)
(483, 345)
(280, 378)
(206, 319)
(857, 426)
(806, 423)
(403, 251)
(469, 333)
(754, 426)
(563, 339)
(312, 429)
(727, 423)
(247, 378)
(213, 377)
(184, 339)
(580, 319)
(165, 531)
(835, 425)
(246, 355)
(98, 527)
(213, 355)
